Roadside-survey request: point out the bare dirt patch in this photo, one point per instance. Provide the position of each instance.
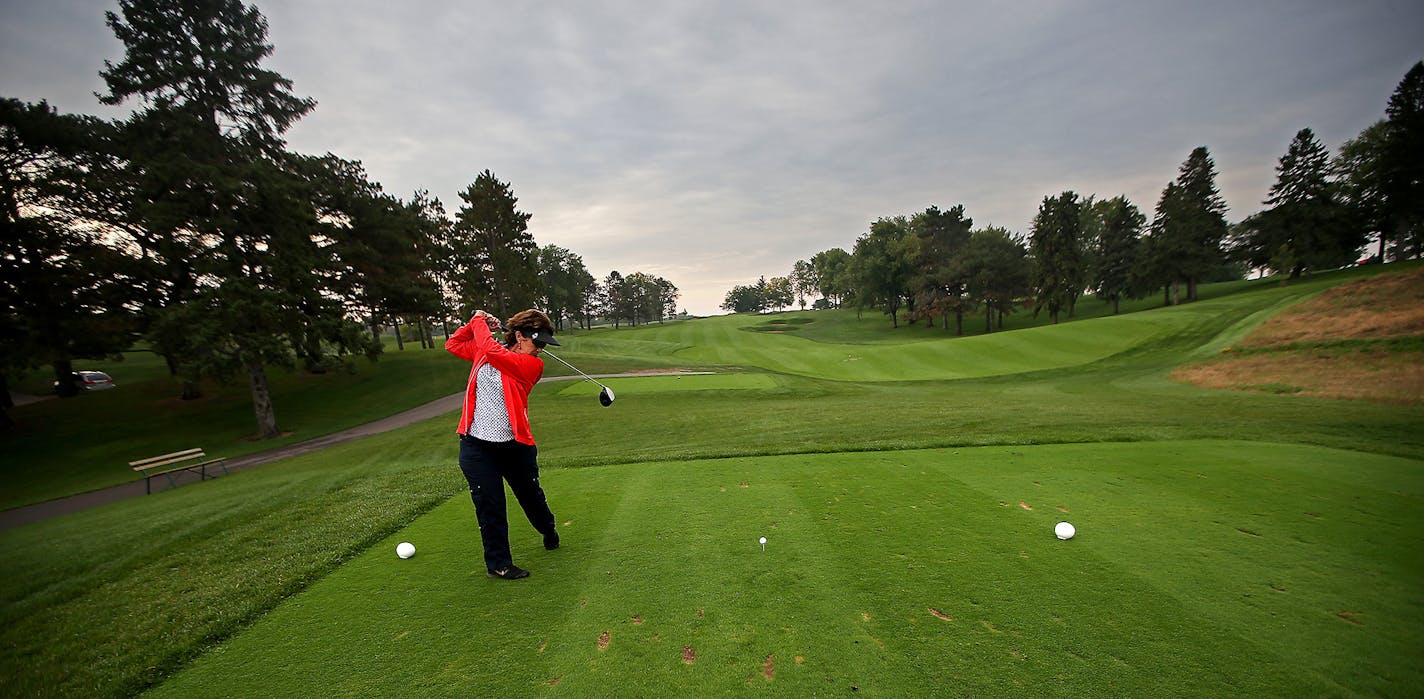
(768, 669)
(940, 615)
(603, 640)
(689, 655)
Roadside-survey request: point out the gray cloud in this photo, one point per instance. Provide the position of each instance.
(714, 142)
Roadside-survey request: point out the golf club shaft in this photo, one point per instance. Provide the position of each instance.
(580, 373)
(545, 350)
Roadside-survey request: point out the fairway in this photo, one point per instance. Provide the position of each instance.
(927, 354)
(627, 388)
(1201, 567)
(726, 341)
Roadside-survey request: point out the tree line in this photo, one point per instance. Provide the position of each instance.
(191, 227)
(1320, 214)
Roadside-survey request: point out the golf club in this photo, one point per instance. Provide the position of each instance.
(605, 397)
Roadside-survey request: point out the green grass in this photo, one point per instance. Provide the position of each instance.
(119, 598)
(1200, 567)
(70, 446)
(658, 385)
(62, 447)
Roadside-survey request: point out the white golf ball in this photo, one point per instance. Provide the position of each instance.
(1064, 531)
(762, 540)
(405, 549)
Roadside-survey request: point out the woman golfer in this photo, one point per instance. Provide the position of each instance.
(496, 444)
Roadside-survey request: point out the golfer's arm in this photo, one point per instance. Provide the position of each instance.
(465, 343)
(521, 367)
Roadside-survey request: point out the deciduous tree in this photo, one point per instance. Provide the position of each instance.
(995, 269)
(564, 281)
(833, 279)
(64, 295)
(803, 281)
(882, 266)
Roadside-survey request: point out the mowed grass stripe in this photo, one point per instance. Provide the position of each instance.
(894, 573)
(681, 585)
(720, 341)
(978, 597)
(1332, 533)
(1274, 555)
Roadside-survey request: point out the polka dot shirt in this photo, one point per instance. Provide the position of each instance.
(491, 421)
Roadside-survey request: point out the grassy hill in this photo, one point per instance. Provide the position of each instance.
(1361, 340)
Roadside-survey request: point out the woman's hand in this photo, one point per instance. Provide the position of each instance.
(490, 321)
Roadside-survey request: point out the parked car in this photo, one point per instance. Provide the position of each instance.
(89, 381)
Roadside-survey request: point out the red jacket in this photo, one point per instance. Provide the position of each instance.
(474, 343)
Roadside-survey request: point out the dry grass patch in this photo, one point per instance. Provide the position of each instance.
(1385, 377)
(1288, 353)
(1389, 305)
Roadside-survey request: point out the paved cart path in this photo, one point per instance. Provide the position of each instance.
(83, 501)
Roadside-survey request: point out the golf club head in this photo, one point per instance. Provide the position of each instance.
(605, 396)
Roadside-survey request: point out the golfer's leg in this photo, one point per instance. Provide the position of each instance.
(480, 465)
(522, 472)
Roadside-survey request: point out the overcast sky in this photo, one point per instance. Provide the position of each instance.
(713, 142)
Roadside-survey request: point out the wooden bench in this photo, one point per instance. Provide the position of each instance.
(148, 467)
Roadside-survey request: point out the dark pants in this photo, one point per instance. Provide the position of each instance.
(486, 465)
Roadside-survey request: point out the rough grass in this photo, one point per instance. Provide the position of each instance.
(1395, 378)
(1389, 305)
(1333, 345)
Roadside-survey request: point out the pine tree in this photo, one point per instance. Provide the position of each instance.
(496, 257)
(1191, 223)
(1115, 250)
(1404, 164)
(214, 196)
(1306, 226)
(64, 295)
(1359, 168)
(1057, 255)
(935, 285)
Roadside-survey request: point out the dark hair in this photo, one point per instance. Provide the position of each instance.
(528, 322)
